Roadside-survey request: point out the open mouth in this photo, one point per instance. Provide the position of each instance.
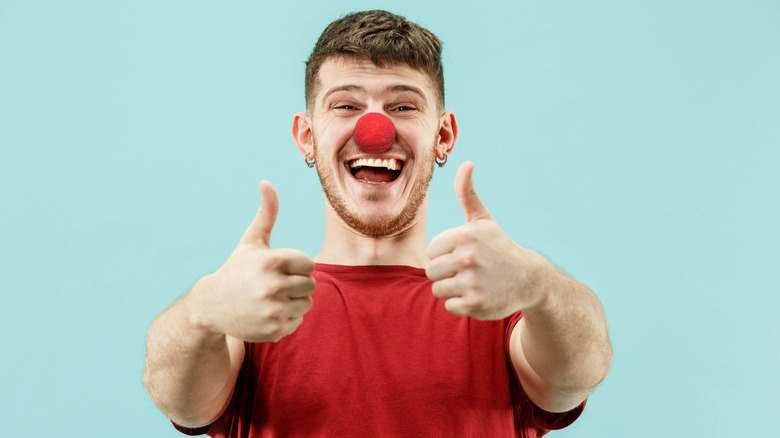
(375, 170)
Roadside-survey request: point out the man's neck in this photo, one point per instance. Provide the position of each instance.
(345, 246)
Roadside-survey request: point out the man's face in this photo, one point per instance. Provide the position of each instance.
(376, 199)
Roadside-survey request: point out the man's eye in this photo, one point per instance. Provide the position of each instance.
(345, 107)
(404, 108)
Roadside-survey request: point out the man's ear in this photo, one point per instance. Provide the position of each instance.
(302, 133)
(448, 134)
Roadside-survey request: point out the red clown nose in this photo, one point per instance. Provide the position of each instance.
(374, 133)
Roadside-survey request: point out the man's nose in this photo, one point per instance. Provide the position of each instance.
(374, 133)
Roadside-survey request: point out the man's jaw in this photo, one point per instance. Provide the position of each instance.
(369, 205)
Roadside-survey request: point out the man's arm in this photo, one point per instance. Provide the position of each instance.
(560, 348)
(190, 372)
(195, 348)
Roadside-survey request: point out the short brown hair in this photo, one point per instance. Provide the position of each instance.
(382, 37)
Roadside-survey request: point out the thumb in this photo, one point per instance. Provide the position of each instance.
(467, 197)
(259, 231)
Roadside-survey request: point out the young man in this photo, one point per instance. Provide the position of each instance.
(466, 335)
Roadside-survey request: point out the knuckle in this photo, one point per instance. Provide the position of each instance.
(456, 307)
(465, 236)
(469, 281)
(272, 261)
(467, 259)
(273, 329)
(303, 259)
(294, 323)
(473, 303)
(308, 303)
(272, 313)
(437, 290)
(274, 287)
(286, 328)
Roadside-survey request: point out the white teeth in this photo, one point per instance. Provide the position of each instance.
(390, 163)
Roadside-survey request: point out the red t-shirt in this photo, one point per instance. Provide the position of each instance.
(378, 355)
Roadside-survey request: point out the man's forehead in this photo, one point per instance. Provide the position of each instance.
(361, 75)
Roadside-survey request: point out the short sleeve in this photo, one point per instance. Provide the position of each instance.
(554, 420)
(192, 431)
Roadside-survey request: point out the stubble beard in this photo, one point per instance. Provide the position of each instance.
(384, 227)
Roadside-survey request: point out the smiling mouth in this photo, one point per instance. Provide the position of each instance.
(375, 170)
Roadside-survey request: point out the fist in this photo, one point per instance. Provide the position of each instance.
(260, 294)
(476, 268)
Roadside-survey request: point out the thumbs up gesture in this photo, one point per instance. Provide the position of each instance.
(477, 268)
(260, 294)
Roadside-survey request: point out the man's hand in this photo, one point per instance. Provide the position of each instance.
(260, 294)
(477, 268)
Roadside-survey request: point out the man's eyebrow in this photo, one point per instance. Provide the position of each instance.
(358, 89)
(411, 88)
(349, 88)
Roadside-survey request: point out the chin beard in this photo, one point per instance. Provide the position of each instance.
(376, 227)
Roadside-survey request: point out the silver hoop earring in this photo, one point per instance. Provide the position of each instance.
(311, 162)
(441, 163)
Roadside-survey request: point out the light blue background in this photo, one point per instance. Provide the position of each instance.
(635, 144)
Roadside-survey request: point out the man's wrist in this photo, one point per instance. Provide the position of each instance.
(197, 311)
(546, 285)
